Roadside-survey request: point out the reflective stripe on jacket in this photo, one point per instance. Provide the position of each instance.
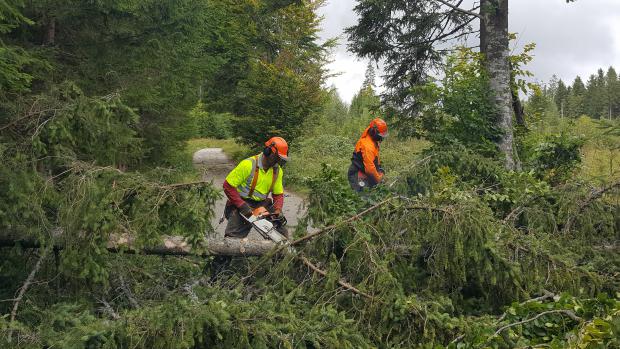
(241, 178)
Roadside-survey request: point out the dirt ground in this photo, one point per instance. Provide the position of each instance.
(215, 165)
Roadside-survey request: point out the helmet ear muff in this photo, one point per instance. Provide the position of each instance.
(374, 131)
(267, 151)
(375, 134)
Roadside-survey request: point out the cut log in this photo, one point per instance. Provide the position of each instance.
(170, 245)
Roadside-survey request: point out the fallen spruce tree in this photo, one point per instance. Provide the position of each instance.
(451, 264)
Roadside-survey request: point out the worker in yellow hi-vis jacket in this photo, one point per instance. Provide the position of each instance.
(249, 185)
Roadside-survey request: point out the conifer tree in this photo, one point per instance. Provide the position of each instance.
(369, 77)
(575, 100)
(282, 89)
(595, 99)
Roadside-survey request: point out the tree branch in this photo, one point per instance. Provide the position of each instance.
(594, 195)
(342, 283)
(545, 296)
(568, 313)
(107, 308)
(24, 288)
(450, 33)
(456, 8)
(127, 292)
(346, 221)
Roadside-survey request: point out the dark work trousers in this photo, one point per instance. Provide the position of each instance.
(357, 183)
(238, 227)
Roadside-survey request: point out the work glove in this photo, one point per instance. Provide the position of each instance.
(260, 211)
(246, 210)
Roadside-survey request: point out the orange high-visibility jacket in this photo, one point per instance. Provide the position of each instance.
(367, 150)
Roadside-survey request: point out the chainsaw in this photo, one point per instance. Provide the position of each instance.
(264, 225)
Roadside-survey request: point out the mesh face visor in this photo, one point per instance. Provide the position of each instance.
(283, 158)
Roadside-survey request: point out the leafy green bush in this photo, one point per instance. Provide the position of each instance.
(458, 111)
(311, 153)
(557, 157)
(331, 196)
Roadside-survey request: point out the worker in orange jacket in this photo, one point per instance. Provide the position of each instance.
(365, 170)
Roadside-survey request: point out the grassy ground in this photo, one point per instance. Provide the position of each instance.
(309, 154)
(600, 154)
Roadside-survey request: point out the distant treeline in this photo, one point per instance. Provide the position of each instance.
(598, 98)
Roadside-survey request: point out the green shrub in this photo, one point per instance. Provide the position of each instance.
(557, 157)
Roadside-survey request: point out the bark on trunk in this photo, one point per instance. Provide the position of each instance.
(170, 245)
(50, 32)
(494, 43)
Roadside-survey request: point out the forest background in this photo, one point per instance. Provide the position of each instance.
(103, 103)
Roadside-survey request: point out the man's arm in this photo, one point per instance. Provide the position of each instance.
(278, 192)
(369, 164)
(235, 178)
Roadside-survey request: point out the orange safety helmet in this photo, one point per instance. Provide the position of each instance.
(277, 145)
(379, 127)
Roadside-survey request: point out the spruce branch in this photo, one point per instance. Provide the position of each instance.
(336, 225)
(341, 282)
(127, 292)
(595, 194)
(456, 8)
(107, 308)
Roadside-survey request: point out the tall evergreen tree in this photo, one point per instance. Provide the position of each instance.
(540, 104)
(150, 53)
(334, 109)
(369, 77)
(575, 101)
(595, 99)
(364, 104)
(282, 89)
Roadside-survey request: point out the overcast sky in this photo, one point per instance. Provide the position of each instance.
(571, 39)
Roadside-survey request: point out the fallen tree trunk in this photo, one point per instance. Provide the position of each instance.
(170, 246)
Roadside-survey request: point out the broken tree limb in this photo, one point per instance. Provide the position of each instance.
(568, 313)
(178, 246)
(25, 287)
(545, 296)
(341, 282)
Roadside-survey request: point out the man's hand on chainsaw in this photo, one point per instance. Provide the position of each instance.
(260, 212)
